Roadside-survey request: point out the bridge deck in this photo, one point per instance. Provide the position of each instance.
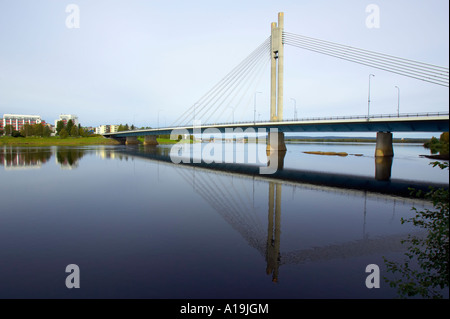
(428, 122)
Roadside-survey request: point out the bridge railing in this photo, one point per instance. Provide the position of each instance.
(348, 117)
(329, 118)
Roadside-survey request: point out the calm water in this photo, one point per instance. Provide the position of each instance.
(141, 227)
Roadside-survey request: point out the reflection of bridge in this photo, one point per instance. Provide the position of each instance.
(234, 87)
(227, 192)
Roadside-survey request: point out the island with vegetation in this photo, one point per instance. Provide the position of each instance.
(439, 148)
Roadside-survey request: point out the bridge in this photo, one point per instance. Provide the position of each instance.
(230, 91)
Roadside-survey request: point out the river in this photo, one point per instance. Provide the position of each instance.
(139, 226)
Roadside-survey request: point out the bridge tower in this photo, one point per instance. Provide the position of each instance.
(276, 69)
(276, 140)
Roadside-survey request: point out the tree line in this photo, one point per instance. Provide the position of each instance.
(63, 130)
(440, 145)
(39, 130)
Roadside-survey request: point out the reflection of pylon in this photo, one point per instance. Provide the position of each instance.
(273, 232)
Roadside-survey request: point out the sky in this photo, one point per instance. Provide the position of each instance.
(144, 62)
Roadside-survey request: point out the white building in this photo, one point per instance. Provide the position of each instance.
(65, 118)
(113, 128)
(102, 129)
(18, 120)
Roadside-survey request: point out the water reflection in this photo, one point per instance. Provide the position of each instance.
(228, 213)
(383, 167)
(273, 231)
(23, 158)
(225, 187)
(68, 158)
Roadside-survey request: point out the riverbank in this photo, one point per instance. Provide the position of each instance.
(55, 141)
(70, 141)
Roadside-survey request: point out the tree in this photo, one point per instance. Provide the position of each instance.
(63, 133)
(27, 130)
(82, 132)
(440, 145)
(69, 126)
(9, 130)
(59, 126)
(74, 131)
(46, 131)
(38, 129)
(430, 252)
(444, 141)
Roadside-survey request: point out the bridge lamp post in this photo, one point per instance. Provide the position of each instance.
(254, 109)
(295, 108)
(368, 101)
(398, 101)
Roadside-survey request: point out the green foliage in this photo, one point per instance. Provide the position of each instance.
(46, 131)
(430, 252)
(26, 130)
(74, 132)
(16, 134)
(440, 145)
(35, 130)
(63, 133)
(59, 126)
(9, 130)
(69, 126)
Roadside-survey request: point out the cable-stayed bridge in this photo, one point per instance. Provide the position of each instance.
(232, 94)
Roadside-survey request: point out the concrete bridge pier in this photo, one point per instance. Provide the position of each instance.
(384, 144)
(150, 140)
(276, 150)
(121, 140)
(384, 154)
(132, 140)
(275, 142)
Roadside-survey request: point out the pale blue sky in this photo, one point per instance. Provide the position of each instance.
(131, 59)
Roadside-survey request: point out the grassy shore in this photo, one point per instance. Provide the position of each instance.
(51, 141)
(70, 141)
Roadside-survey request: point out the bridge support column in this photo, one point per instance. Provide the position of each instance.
(275, 150)
(275, 141)
(384, 144)
(132, 140)
(121, 140)
(150, 140)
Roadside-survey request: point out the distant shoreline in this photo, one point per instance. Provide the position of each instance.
(55, 141)
(355, 140)
(70, 141)
(98, 140)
